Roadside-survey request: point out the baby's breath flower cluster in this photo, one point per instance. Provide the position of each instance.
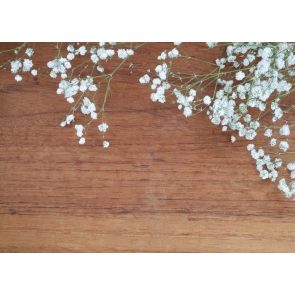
(21, 61)
(252, 82)
(80, 83)
(247, 91)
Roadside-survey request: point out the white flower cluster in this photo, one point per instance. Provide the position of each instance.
(25, 65)
(262, 76)
(123, 53)
(159, 84)
(71, 88)
(72, 51)
(103, 127)
(68, 120)
(267, 80)
(59, 66)
(171, 54)
(78, 83)
(288, 190)
(88, 108)
(266, 167)
(87, 84)
(185, 102)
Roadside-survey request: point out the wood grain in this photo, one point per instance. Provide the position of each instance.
(165, 184)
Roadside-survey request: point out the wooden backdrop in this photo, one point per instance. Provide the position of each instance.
(165, 184)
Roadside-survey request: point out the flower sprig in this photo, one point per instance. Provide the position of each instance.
(81, 81)
(251, 84)
(21, 61)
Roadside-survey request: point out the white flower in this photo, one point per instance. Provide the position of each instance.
(240, 75)
(63, 123)
(162, 56)
(145, 79)
(263, 174)
(177, 43)
(50, 64)
(15, 65)
(260, 152)
(284, 86)
(192, 92)
(283, 186)
(278, 113)
(82, 140)
(254, 124)
(243, 108)
(53, 74)
(254, 154)
(92, 87)
(101, 52)
(284, 145)
(67, 64)
(173, 53)
(270, 166)
(27, 64)
(242, 131)
(34, 72)
(268, 132)
(259, 167)
(251, 57)
(278, 163)
(100, 69)
(211, 44)
(250, 134)
(187, 111)
(70, 118)
(70, 48)
(29, 52)
(111, 52)
(285, 130)
(162, 71)
(220, 62)
(70, 99)
(94, 58)
(291, 166)
(266, 158)
(231, 58)
(273, 142)
(88, 107)
(207, 100)
(130, 52)
(247, 118)
(162, 75)
(122, 53)
(93, 115)
(70, 56)
(18, 78)
(82, 50)
(105, 144)
(79, 129)
(232, 138)
(246, 62)
(103, 127)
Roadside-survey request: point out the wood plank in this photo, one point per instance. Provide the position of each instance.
(165, 184)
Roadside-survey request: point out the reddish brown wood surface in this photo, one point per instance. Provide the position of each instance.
(165, 184)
